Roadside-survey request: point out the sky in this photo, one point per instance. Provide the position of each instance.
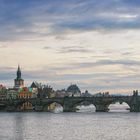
(94, 44)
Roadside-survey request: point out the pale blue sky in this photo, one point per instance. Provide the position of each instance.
(95, 44)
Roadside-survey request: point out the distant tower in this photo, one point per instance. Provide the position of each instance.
(19, 82)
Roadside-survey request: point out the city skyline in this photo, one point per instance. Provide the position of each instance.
(89, 43)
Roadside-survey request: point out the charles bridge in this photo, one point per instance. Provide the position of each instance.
(69, 104)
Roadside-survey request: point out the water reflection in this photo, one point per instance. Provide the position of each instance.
(88, 108)
(19, 126)
(69, 126)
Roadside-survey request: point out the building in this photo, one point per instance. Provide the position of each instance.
(25, 93)
(42, 91)
(35, 86)
(86, 94)
(12, 93)
(102, 94)
(60, 93)
(18, 82)
(3, 92)
(73, 90)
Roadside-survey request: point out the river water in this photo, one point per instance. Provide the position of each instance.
(70, 126)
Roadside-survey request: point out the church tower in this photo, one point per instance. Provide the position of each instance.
(19, 82)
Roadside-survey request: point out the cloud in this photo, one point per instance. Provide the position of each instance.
(73, 49)
(42, 18)
(47, 47)
(93, 43)
(107, 62)
(132, 3)
(3, 46)
(68, 49)
(58, 67)
(118, 62)
(127, 53)
(93, 81)
(7, 73)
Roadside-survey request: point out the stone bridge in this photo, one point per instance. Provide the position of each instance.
(69, 104)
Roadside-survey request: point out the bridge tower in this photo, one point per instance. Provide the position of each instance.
(18, 82)
(135, 103)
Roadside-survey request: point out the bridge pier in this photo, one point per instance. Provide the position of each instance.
(101, 108)
(135, 108)
(135, 104)
(67, 105)
(38, 108)
(68, 109)
(11, 109)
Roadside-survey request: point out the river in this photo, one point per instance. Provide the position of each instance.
(70, 126)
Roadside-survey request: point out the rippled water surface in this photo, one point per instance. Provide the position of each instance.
(70, 126)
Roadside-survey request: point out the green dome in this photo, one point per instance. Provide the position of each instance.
(73, 89)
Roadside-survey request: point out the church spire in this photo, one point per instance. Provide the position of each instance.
(18, 82)
(18, 73)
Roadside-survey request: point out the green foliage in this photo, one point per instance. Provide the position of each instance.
(44, 91)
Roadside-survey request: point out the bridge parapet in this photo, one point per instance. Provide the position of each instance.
(101, 103)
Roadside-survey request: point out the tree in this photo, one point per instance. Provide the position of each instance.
(45, 91)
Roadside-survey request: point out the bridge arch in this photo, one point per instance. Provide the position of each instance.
(24, 106)
(3, 106)
(84, 106)
(53, 106)
(119, 106)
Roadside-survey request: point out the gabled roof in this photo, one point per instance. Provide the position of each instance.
(35, 85)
